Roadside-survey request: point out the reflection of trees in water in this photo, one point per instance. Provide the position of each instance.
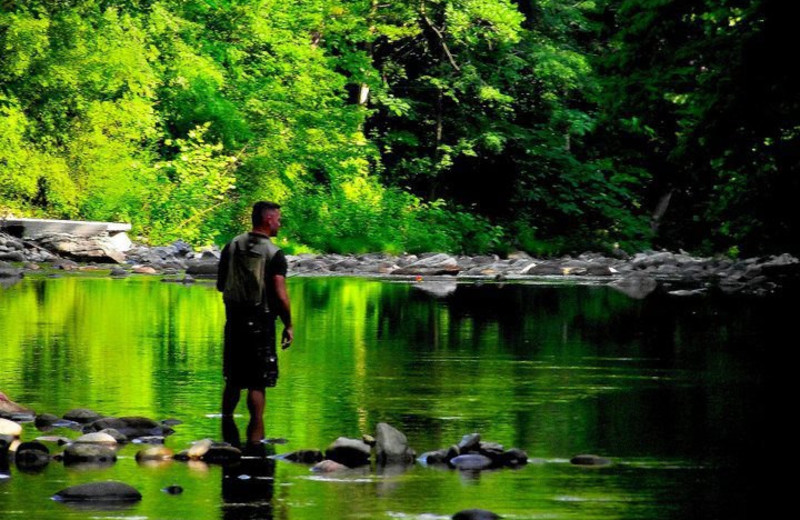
(248, 485)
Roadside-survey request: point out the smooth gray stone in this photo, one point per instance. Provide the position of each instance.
(93, 453)
(391, 446)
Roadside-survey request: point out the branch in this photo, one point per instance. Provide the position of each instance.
(439, 35)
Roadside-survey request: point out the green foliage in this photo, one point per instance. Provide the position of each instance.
(560, 125)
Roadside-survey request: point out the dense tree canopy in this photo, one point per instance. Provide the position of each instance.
(461, 125)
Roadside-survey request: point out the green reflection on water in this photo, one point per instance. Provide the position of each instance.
(553, 370)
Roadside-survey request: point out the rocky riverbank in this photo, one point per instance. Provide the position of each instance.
(637, 275)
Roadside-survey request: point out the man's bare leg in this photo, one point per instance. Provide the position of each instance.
(255, 404)
(230, 398)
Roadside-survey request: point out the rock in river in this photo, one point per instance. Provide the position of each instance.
(82, 415)
(32, 456)
(589, 460)
(12, 410)
(350, 452)
(391, 446)
(108, 491)
(304, 456)
(155, 453)
(10, 428)
(91, 453)
(97, 438)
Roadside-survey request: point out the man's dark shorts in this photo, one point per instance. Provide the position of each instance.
(250, 359)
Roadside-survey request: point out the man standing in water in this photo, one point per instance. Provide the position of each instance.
(252, 279)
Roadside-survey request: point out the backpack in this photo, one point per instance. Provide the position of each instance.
(249, 255)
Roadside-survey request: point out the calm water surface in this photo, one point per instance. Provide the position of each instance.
(670, 389)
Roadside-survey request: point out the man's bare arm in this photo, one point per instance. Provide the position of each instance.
(284, 310)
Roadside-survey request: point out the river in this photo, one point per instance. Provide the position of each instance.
(670, 389)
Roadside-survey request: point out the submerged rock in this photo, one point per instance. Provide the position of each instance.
(589, 460)
(475, 514)
(514, 457)
(44, 421)
(350, 452)
(304, 456)
(118, 436)
(32, 456)
(131, 427)
(471, 461)
(155, 453)
(108, 491)
(221, 454)
(82, 415)
(328, 466)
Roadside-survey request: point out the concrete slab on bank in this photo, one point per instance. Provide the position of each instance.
(36, 227)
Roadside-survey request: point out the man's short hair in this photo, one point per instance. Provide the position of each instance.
(259, 208)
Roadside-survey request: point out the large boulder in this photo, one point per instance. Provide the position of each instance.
(98, 248)
(108, 491)
(436, 264)
(350, 452)
(391, 446)
(203, 268)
